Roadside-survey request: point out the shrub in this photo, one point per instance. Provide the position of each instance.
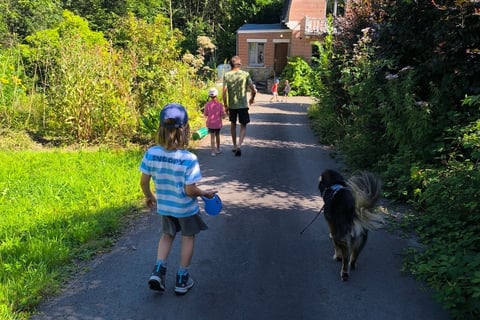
(298, 72)
(450, 228)
(402, 87)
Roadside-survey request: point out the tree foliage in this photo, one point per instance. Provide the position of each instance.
(21, 18)
(72, 83)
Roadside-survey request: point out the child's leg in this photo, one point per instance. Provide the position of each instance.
(184, 281)
(157, 278)
(164, 246)
(217, 138)
(212, 141)
(186, 251)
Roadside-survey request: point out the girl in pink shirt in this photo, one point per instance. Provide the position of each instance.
(214, 112)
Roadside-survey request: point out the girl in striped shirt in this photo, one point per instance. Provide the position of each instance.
(174, 172)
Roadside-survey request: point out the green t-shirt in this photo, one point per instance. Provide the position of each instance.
(237, 83)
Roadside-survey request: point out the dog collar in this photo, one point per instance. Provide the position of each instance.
(335, 188)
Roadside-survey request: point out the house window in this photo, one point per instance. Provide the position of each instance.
(336, 7)
(256, 54)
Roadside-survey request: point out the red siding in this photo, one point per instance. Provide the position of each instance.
(301, 8)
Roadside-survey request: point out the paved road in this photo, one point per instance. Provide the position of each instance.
(253, 263)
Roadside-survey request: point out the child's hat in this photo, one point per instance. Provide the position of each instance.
(213, 205)
(213, 92)
(173, 115)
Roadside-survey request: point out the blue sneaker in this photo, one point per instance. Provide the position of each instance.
(183, 284)
(157, 278)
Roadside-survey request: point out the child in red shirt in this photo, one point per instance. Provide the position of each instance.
(214, 112)
(275, 91)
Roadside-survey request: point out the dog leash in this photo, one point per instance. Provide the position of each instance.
(315, 218)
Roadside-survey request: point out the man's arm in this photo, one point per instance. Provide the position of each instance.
(224, 98)
(253, 92)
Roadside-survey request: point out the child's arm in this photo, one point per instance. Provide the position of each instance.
(145, 185)
(222, 107)
(193, 191)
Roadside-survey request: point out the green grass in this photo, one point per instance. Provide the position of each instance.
(57, 207)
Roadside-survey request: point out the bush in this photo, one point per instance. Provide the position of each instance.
(450, 227)
(298, 72)
(400, 97)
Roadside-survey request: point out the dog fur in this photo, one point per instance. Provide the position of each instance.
(348, 210)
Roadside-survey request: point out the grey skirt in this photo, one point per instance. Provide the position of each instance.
(189, 226)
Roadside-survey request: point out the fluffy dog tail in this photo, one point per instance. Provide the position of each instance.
(366, 189)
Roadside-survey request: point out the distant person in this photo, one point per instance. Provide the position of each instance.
(286, 91)
(214, 112)
(235, 85)
(275, 91)
(175, 172)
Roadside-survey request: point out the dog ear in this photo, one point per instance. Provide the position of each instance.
(331, 177)
(324, 181)
(321, 183)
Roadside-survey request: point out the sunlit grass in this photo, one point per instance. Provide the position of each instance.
(57, 207)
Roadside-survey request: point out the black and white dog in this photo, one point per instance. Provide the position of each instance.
(348, 210)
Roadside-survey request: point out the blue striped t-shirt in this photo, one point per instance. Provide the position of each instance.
(171, 170)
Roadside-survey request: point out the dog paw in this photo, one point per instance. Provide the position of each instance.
(344, 276)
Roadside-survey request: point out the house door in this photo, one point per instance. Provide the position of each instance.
(281, 53)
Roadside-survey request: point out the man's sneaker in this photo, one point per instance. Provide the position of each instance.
(183, 284)
(157, 278)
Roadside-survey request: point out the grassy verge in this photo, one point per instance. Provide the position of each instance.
(57, 207)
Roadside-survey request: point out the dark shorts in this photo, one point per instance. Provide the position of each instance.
(213, 130)
(189, 226)
(241, 114)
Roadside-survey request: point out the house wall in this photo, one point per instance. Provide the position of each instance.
(268, 38)
(300, 43)
(301, 8)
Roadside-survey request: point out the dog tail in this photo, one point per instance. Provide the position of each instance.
(366, 189)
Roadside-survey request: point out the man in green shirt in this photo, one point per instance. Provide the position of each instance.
(235, 85)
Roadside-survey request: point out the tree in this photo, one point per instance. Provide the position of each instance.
(22, 18)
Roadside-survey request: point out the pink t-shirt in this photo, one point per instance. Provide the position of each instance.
(214, 113)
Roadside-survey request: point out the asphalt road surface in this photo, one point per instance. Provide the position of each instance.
(253, 263)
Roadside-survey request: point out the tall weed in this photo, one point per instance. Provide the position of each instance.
(13, 89)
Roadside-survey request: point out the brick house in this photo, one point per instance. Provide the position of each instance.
(265, 48)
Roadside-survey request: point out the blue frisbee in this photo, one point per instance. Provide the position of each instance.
(213, 206)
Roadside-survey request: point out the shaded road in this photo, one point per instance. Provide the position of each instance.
(253, 263)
